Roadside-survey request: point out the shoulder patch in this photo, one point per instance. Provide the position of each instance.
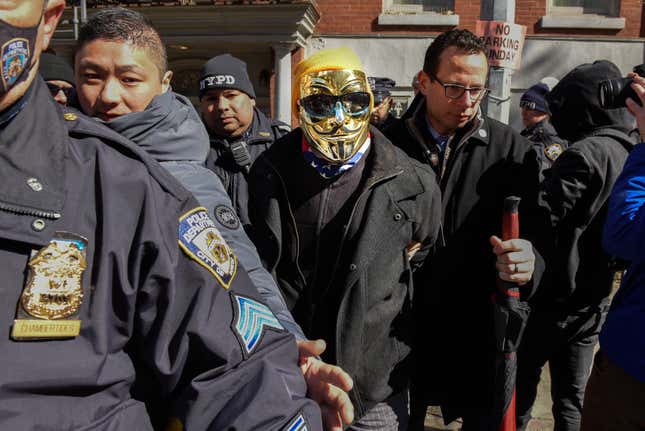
(251, 319)
(200, 240)
(553, 151)
(227, 217)
(299, 423)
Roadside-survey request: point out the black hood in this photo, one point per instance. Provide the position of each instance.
(575, 105)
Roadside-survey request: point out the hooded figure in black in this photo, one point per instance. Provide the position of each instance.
(569, 311)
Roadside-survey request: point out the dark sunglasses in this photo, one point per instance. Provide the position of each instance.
(69, 92)
(324, 105)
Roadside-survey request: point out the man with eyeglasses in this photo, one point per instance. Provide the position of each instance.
(342, 217)
(59, 77)
(478, 162)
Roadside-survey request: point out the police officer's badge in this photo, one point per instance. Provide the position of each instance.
(15, 55)
(54, 290)
(200, 239)
(553, 151)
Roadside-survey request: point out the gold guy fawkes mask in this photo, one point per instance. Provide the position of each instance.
(334, 109)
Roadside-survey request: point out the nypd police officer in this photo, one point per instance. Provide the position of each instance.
(116, 283)
(239, 132)
(538, 129)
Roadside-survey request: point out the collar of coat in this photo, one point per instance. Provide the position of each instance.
(33, 152)
(477, 128)
(384, 162)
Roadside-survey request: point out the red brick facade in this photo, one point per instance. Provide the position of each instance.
(361, 17)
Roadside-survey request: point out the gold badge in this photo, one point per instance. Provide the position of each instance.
(54, 290)
(70, 116)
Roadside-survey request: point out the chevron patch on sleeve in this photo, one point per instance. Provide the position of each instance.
(297, 424)
(251, 320)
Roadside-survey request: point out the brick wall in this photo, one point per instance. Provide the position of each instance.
(361, 17)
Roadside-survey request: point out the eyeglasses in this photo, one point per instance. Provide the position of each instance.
(324, 105)
(455, 91)
(69, 92)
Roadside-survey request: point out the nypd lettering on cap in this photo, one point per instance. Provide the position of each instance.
(15, 54)
(252, 319)
(216, 81)
(297, 424)
(200, 239)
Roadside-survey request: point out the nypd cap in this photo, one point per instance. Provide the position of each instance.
(225, 71)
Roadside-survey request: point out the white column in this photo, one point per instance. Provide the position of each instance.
(282, 97)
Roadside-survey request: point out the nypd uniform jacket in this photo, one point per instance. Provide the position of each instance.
(98, 237)
(257, 139)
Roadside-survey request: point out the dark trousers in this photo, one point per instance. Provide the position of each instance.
(567, 343)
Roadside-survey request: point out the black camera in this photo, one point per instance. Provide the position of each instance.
(614, 92)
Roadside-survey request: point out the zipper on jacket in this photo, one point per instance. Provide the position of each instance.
(20, 210)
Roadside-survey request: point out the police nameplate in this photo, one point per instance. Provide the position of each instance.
(54, 290)
(43, 329)
(200, 239)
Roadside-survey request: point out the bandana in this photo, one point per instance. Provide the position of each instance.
(330, 170)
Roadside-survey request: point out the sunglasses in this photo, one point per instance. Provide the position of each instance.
(69, 92)
(324, 105)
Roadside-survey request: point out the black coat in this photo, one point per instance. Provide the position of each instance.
(157, 327)
(579, 186)
(373, 324)
(488, 162)
(548, 145)
(257, 138)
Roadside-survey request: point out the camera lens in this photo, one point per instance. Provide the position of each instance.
(613, 93)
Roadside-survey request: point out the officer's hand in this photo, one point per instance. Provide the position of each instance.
(515, 259)
(638, 111)
(327, 385)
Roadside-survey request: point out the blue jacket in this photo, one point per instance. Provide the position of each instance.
(623, 336)
(157, 296)
(170, 130)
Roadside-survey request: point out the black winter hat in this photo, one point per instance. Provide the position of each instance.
(225, 71)
(380, 88)
(54, 68)
(535, 98)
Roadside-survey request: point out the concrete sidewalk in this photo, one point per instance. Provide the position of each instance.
(542, 417)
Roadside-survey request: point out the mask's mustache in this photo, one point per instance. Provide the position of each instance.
(340, 127)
